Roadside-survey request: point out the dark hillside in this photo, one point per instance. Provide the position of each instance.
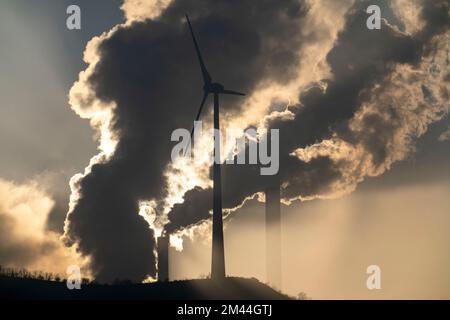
(205, 289)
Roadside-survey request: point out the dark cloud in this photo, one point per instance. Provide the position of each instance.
(149, 70)
(360, 59)
(436, 17)
(198, 203)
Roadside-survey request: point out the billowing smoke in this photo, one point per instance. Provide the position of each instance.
(386, 87)
(348, 102)
(143, 82)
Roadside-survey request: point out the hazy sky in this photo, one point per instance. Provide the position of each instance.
(399, 220)
(41, 59)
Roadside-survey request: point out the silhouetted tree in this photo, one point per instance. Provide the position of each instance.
(23, 273)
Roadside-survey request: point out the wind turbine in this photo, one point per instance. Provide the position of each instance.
(218, 258)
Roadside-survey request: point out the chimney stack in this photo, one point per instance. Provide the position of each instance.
(273, 235)
(163, 258)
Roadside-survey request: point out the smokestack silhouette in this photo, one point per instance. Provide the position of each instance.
(163, 259)
(273, 235)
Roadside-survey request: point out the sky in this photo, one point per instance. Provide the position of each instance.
(85, 173)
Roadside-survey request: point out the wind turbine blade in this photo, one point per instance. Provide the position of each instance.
(198, 117)
(199, 111)
(232, 92)
(205, 73)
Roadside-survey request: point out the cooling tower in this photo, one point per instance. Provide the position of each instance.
(163, 258)
(273, 235)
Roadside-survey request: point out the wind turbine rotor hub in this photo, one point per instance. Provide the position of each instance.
(214, 88)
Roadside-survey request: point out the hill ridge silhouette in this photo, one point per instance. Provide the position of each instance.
(231, 288)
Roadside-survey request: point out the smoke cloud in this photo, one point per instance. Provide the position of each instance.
(137, 89)
(386, 88)
(348, 102)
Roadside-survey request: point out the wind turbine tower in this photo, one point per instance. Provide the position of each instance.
(215, 88)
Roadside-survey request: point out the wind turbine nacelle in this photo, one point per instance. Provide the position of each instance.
(213, 88)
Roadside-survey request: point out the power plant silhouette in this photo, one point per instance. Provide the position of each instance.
(272, 206)
(163, 258)
(273, 235)
(273, 241)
